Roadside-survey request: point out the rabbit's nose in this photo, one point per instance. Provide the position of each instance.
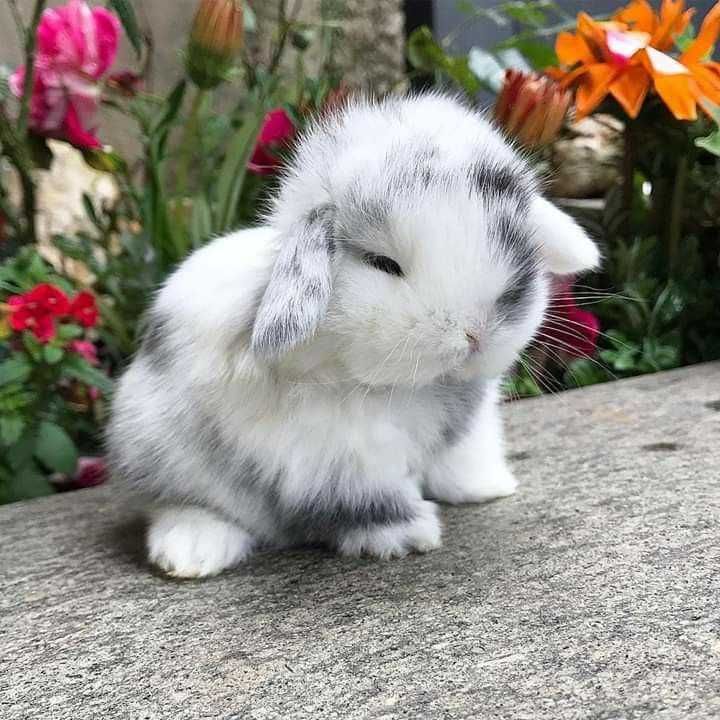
(473, 340)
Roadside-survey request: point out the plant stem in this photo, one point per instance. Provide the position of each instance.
(30, 47)
(187, 143)
(17, 17)
(676, 213)
(16, 150)
(628, 189)
(283, 29)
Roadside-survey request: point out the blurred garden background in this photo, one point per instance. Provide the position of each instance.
(133, 133)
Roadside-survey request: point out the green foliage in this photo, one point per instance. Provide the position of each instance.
(126, 13)
(427, 56)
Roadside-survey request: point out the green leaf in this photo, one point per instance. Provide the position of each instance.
(234, 169)
(69, 332)
(105, 161)
(78, 369)
(710, 142)
(14, 370)
(525, 13)
(200, 221)
(426, 54)
(126, 13)
(72, 248)
(55, 449)
(686, 38)
(11, 429)
(5, 73)
(53, 354)
(539, 54)
(27, 483)
(423, 51)
(33, 346)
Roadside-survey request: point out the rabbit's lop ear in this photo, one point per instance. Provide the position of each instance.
(566, 247)
(297, 296)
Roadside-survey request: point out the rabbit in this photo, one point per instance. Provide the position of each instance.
(329, 376)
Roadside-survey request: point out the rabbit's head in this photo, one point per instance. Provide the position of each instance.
(415, 245)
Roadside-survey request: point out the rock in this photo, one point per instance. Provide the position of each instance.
(587, 163)
(60, 206)
(592, 593)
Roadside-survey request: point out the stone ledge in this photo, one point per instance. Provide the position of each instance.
(593, 593)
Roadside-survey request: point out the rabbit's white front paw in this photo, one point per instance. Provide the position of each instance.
(193, 543)
(457, 489)
(396, 540)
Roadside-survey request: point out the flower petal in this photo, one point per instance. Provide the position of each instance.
(593, 88)
(572, 49)
(679, 93)
(703, 45)
(623, 45)
(631, 88)
(107, 28)
(662, 64)
(673, 20)
(639, 15)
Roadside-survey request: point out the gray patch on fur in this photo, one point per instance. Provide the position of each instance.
(155, 346)
(297, 296)
(461, 401)
(326, 517)
(513, 303)
(330, 517)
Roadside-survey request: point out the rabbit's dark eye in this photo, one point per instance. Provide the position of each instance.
(384, 263)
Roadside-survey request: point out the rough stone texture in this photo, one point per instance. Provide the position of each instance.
(593, 593)
(587, 161)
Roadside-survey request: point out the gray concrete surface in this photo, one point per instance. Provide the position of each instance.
(593, 593)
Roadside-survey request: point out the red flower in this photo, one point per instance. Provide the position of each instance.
(276, 132)
(568, 329)
(85, 349)
(49, 299)
(36, 310)
(126, 82)
(84, 309)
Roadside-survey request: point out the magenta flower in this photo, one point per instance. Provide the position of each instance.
(571, 331)
(85, 349)
(90, 471)
(276, 132)
(76, 46)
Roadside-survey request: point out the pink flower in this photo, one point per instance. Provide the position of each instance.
(76, 45)
(85, 349)
(571, 331)
(277, 131)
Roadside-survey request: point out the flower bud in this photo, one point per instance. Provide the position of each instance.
(215, 41)
(531, 107)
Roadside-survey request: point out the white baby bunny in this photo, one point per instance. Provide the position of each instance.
(324, 377)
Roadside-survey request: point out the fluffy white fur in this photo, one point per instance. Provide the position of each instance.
(289, 392)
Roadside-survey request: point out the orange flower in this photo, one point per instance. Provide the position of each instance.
(627, 56)
(532, 108)
(215, 40)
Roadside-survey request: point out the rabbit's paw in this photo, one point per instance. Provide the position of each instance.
(420, 534)
(459, 490)
(194, 543)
